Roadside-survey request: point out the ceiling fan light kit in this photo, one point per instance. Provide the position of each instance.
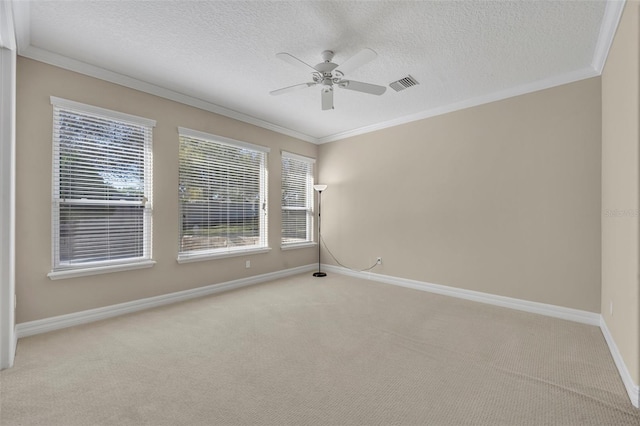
(328, 74)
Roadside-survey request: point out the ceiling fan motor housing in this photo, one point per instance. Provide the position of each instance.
(326, 67)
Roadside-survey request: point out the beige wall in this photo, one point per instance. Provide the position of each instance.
(502, 198)
(620, 189)
(38, 297)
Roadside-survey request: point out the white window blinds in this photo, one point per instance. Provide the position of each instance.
(297, 199)
(102, 187)
(223, 195)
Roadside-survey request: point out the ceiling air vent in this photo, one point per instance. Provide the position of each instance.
(403, 83)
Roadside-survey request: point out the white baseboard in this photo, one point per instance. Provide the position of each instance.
(561, 312)
(63, 321)
(83, 317)
(633, 390)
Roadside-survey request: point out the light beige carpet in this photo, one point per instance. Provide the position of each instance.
(309, 351)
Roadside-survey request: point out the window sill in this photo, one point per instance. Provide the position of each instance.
(83, 272)
(295, 246)
(188, 258)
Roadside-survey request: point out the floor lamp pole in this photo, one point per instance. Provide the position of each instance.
(319, 188)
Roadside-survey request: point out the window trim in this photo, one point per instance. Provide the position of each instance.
(196, 134)
(310, 242)
(295, 246)
(59, 271)
(204, 255)
(91, 109)
(97, 270)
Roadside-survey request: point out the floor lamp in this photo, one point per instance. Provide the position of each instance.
(319, 188)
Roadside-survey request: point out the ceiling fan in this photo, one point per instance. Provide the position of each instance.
(327, 75)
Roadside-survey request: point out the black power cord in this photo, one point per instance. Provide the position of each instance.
(344, 266)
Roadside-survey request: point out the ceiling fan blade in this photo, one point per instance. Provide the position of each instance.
(359, 86)
(357, 60)
(291, 88)
(327, 99)
(295, 61)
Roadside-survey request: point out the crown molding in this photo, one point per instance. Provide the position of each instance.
(535, 86)
(7, 31)
(21, 23)
(610, 20)
(60, 61)
(64, 62)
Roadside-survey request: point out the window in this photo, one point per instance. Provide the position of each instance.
(223, 196)
(102, 185)
(297, 199)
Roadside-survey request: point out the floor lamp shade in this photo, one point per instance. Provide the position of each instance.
(319, 188)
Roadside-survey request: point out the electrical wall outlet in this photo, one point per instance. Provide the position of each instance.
(379, 261)
(247, 264)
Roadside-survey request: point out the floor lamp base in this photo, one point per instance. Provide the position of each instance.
(319, 274)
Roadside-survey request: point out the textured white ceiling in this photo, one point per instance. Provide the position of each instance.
(223, 52)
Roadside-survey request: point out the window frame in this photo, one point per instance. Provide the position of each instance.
(69, 270)
(309, 199)
(224, 252)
